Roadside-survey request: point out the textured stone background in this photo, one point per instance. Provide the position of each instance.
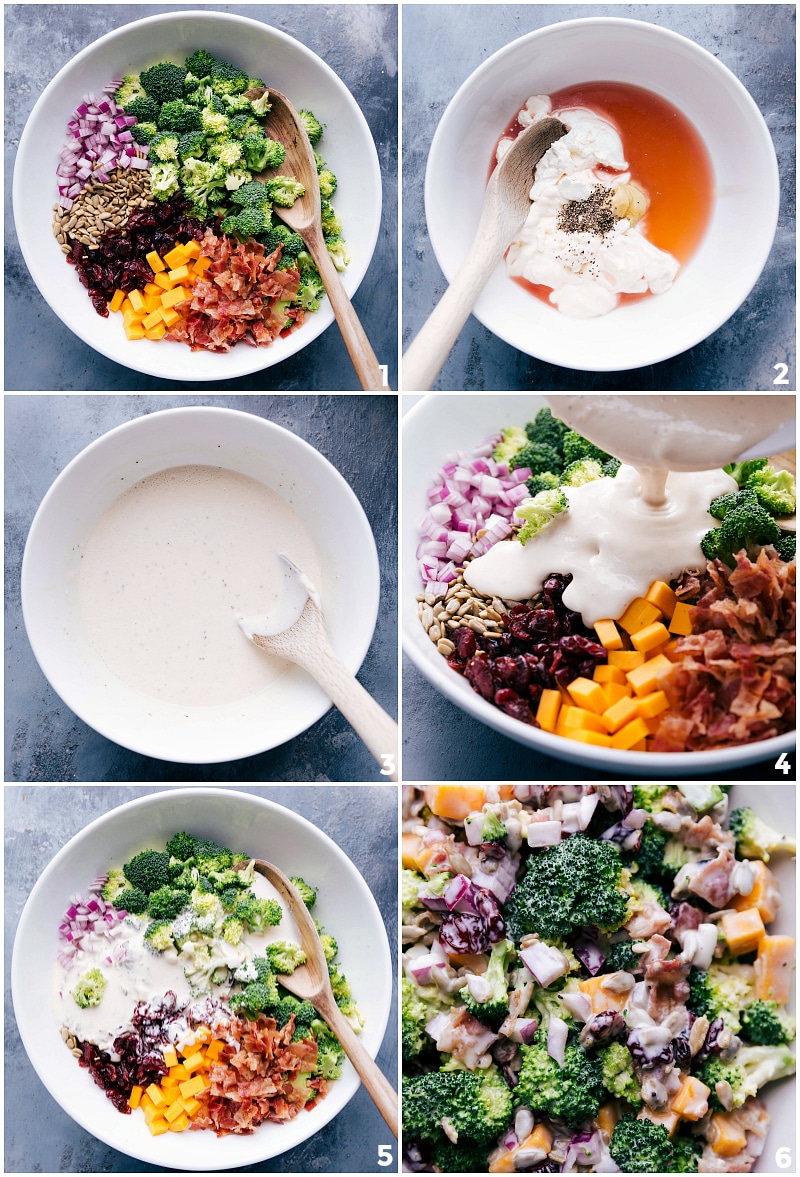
(39, 1136)
(755, 41)
(45, 741)
(358, 41)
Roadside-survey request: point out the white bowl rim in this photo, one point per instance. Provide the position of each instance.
(631, 764)
(372, 590)
(354, 275)
(17, 980)
(538, 348)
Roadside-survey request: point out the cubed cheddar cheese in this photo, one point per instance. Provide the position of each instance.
(135, 1097)
(162, 280)
(774, 966)
(191, 249)
(179, 274)
(548, 709)
(180, 1124)
(625, 659)
(725, 1134)
(192, 1086)
(584, 736)
(691, 1099)
(601, 999)
(608, 635)
(764, 897)
(177, 294)
(742, 930)
(504, 1163)
(169, 315)
(154, 262)
(117, 300)
(629, 735)
(201, 265)
(638, 614)
(156, 1095)
(170, 1057)
(681, 621)
(147, 322)
(668, 1118)
(156, 332)
(615, 691)
(607, 1117)
(648, 706)
(175, 257)
(644, 678)
(137, 300)
(651, 636)
(410, 847)
(581, 718)
(620, 713)
(662, 596)
(158, 1126)
(174, 1111)
(587, 693)
(608, 674)
(134, 330)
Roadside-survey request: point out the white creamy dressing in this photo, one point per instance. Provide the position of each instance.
(169, 569)
(136, 973)
(585, 271)
(646, 524)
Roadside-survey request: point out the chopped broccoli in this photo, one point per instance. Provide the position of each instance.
(130, 89)
(419, 1003)
(199, 63)
(619, 1078)
(236, 104)
(573, 1092)
(745, 526)
(764, 1023)
(611, 467)
(538, 457)
(476, 1105)
(166, 903)
(495, 1008)
(261, 153)
(339, 984)
(742, 471)
(722, 990)
(226, 78)
(621, 958)
(537, 512)
(312, 126)
(329, 945)
(548, 429)
(203, 183)
(284, 190)
(250, 222)
(756, 839)
(252, 195)
(722, 504)
(580, 472)
(89, 989)
(307, 893)
(463, 1157)
(227, 151)
(260, 105)
(164, 146)
(164, 181)
(115, 884)
(179, 116)
(751, 1069)
(213, 123)
(148, 870)
(163, 82)
(256, 997)
(650, 855)
(245, 124)
(493, 829)
(331, 225)
(310, 292)
(640, 1146)
(159, 935)
(232, 930)
(258, 914)
(575, 884)
(285, 957)
(327, 183)
(577, 448)
(133, 900)
(544, 481)
(144, 109)
(786, 546)
(192, 145)
(686, 1154)
(143, 133)
(650, 797)
(340, 255)
(511, 441)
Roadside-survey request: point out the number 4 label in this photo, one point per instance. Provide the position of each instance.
(385, 1155)
(783, 764)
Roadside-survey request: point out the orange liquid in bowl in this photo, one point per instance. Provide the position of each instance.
(666, 158)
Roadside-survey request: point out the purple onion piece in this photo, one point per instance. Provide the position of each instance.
(589, 954)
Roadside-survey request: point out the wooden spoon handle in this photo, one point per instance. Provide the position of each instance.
(377, 729)
(376, 1083)
(369, 373)
(426, 355)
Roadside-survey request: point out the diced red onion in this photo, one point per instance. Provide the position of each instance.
(544, 833)
(524, 1030)
(557, 1034)
(510, 1140)
(578, 1005)
(546, 964)
(635, 819)
(589, 953)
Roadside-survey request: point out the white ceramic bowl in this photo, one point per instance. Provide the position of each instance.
(737, 242)
(433, 428)
(345, 906)
(286, 65)
(84, 490)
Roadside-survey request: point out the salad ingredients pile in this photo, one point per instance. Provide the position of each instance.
(166, 989)
(589, 980)
(699, 660)
(168, 158)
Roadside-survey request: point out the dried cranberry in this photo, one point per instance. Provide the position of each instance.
(463, 932)
(465, 642)
(682, 1051)
(479, 674)
(489, 909)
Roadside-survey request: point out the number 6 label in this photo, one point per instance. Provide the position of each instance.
(783, 1158)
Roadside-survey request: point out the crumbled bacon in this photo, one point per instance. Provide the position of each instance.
(239, 299)
(255, 1080)
(734, 682)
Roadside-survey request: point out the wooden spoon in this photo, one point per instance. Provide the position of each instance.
(296, 632)
(283, 124)
(311, 982)
(505, 208)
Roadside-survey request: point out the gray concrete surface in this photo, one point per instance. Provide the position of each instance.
(45, 741)
(756, 42)
(358, 41)
(39, 1136)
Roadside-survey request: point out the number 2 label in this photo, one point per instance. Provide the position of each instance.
(782, 370)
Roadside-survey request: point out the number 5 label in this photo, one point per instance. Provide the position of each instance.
(385, 1155)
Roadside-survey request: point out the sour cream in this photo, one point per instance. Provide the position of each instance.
(171, 566)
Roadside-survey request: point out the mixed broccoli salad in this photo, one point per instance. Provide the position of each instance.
(590, 982)
(190, 940)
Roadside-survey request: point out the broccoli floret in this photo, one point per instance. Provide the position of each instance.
(756, 839)
(495, 1008)
(164, 180)
(130, 90)
(143, 133)
(722, 990)
(182, 846)
(132, 900)
(310, 292)
(619, 1078)
(148, 870)
(548, 429)
(214, 123)
(650, 797)
(418, 1005)
(686, 1154)
(580, 472)
(252, 195)
(576, 447)
(751, 1068)
(786, 546)
(284, 190)
(538, 457)
(621, 958)
(575, 884)
(331, 225)
(256, 997)
(245, 124)
(163, 82)
(258, 914)
(89, 989)
(329, 945)
(306, 892)
(144, 109)
(312, 125)
(742, 471)
(285, 957)
(544, 481)
(115, 884)
(722, 504)
(611, 467)
(303, 1013)
(232, 930)
(339, 253)
(164, 146)
(166, 903)
(203, 183)
(339, 984)
(745, 526)
(327, 183)
(643, 893)
(192, 145)
(261, 153)
(573, 1092)
(261, 104)
(493, 829)
(199, 63)
(537, 512)
(511, 441)
(179, 116)
(463, 1157)
(477, 1105)
(236, 104)
(764, 1023)
(250, 222)
(159, 935)
(640, 1146)
(227, 151)
(226, 78)
(650, 855)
